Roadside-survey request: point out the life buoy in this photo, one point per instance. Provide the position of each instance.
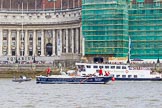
(126, 71)
(113, 79)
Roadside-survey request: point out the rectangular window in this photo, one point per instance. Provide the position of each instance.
(112, 67)
(135, 76)
(101, 67)
(123, 67)
(106, 67)
(13, 38)
(129, 76)
(39, 38)
(157, 4)
(95, 66)
(117, 76)
(88, 66)
(117, 67)
(123, 76)
(140, 4)
(4, 38)
(13, 43)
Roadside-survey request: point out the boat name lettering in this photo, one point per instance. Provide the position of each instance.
(98, 79)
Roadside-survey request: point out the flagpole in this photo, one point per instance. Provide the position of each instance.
(27, 6)
(35, 5)
(61, 4)
(68, 4)
(54, 5)
(73, 3)
(129, 48)
(1, 4)
(43, 5)
(78, 3)
(10, 4)
(22, 29)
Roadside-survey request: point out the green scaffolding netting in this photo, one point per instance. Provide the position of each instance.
(108, 24)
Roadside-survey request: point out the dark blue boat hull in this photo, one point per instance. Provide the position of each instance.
(74, 80)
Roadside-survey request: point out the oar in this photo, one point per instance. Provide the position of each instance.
(86, 78)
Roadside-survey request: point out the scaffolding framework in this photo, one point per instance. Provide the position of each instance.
(108, 24)
(105, 27)
(145, 30)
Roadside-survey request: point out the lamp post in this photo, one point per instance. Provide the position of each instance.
(34, 61)
(158, 62)
(16, 61)
(17, 64)
(128, 61)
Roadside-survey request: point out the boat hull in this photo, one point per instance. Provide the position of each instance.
(21, 80)
(73, 80)
(138, 79)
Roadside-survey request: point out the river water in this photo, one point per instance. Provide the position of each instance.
(116, 94)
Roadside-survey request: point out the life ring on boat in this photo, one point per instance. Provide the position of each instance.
(126, 71)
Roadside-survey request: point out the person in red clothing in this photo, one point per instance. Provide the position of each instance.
(107, 73)
(100, 72)
(48, 71)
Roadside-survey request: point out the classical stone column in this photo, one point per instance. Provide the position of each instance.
(81, 37)
(67, 47)
(42, 43)
(61, 41)
(26, 43)
(34, 42)
(1, 41)
(53, 43)
(17, 43)
(9, 42)
(76, 41)
(72, 40)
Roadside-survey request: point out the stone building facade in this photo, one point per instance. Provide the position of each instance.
(45, 34)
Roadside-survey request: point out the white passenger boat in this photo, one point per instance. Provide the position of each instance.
(119, 71)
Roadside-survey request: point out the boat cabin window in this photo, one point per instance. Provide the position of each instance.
(95, 66)
(123, 76)
(88, 66)
(117, 67)
(135, 76)
(101, 67)
(106, 67)
(129, 76)
(117, 76)
(112, 67)
(81, 68)
(124, 67)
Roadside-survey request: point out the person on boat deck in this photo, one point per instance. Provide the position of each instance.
(48, 71)
(21, 76)
(107, 73)
(100, 72)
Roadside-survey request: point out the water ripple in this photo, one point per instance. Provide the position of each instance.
(116, 95)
